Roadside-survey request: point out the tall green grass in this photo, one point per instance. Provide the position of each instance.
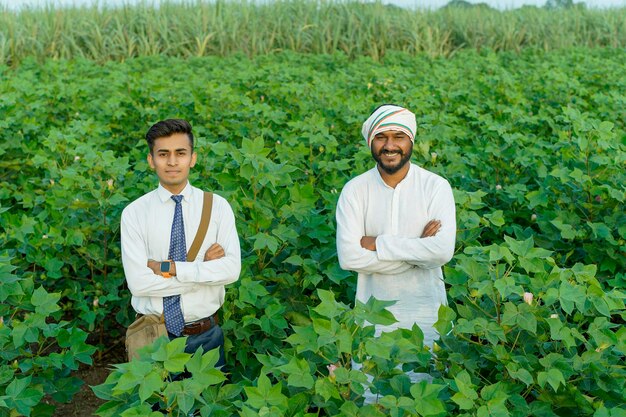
(198, 28)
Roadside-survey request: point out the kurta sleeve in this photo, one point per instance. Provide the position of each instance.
(430, 252)
(141, 280)
(218, 271)
(350, 229)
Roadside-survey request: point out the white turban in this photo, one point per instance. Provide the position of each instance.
(389, 117)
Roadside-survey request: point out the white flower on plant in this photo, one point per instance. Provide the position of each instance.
(528, 298)
(433, 156)
(96, 302)
(51, 182)
(77, 158)
(110, 183)
(554, 316)
(498, 187)
(331, 370)
(278, 142)
(533, 217)
(44, 237)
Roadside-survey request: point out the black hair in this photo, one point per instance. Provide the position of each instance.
(166, 128)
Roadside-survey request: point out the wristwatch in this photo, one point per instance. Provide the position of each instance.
(166, 267)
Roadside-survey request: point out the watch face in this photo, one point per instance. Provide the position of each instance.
(165, 266)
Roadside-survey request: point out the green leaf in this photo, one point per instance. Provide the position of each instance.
(570, 295)
(466, 395)
(173, 355)
(6, 374)
(110, 409)
(567, 231)
(303, 339)
(349, 409)
(44, 302)
(445, 315)
(519, 248)
(520, 315)
(66, 388)
(427, 402)
(506, 286)
(537, 198)
(328, 307)
(299, 373)
(520, 374)
(21, 396)
(151, 383)
(265, 241)
(326, 389)
(554, 377)
(265, 394)
(294, 260)
(374, 312)
(53, 267)
(378, 348)
(496, 218)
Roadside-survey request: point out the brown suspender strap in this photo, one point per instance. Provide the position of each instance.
(207, 206)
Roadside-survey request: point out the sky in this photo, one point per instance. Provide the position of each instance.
(500, 4)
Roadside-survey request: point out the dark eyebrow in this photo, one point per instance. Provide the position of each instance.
(175, 150)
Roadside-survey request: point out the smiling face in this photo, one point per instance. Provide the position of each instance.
(392, 151)
(172, 157)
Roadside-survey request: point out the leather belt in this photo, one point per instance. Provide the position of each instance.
(201, 325)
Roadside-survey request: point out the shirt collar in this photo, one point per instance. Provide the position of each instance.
(408, 174)
(165, 195)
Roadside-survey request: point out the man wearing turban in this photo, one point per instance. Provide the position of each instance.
(396, 225)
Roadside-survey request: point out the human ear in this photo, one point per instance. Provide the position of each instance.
(150, 160)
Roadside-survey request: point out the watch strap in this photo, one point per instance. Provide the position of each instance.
(166, 274)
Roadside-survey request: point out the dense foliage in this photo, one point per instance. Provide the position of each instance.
(209, 28)
(533, 145)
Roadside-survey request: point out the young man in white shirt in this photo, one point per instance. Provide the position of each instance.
(396, 225)
(193, 291)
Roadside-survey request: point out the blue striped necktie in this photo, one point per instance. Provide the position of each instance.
(174, 321)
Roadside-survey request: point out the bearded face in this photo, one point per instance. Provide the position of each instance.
(391, 150)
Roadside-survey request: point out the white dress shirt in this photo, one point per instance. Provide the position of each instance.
(145, 234)
(404, 268)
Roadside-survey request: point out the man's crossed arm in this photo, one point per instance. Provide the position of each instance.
(431, 229)
(214, 252)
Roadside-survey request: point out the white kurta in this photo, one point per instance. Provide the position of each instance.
(404, 268)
